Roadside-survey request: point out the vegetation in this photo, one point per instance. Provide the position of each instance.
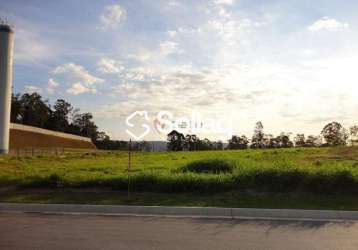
(214, 166)
(333, 134)
(314, 170)
(31, 109)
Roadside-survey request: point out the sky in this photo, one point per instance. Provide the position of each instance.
(290, 64)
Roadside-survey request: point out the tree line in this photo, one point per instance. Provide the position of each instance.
(33, 110)
(178, 142)
(333, 134)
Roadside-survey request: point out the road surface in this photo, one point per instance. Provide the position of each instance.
(41, 231)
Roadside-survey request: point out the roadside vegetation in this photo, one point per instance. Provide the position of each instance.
(313, 170)
(264, 171)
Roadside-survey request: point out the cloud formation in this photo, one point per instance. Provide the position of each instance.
(79, 88)
(328, 24)
(112, 16)
(52, 85)
(109, 66)
(31, 47)
(32, 89)
(225, 2)
(80, 80)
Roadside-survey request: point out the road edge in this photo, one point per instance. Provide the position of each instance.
(165, 211)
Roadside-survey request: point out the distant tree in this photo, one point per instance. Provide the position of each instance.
(258, 137)
(141, 146)
(205, 144)
(73, 127)
(111, 145)
(176, 141)
(300, 140)
(270, 141)
(31, 109)
(334, 134)
(218, 145)
(353, 132)
(59, 119)
(313, 141)
(35, 111)
(284, 140)
(84, 125)
(16, 108)
(103, 137)
(191, 142)
(238, 142)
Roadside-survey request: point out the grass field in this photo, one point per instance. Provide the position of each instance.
(254, 174)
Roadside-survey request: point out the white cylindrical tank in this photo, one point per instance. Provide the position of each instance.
(6, 58)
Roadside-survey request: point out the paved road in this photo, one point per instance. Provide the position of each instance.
(38, 231)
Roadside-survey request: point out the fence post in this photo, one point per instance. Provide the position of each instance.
(129, 166)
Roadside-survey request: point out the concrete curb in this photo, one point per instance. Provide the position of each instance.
(202, 212)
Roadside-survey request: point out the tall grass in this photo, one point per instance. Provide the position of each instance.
(313, 170)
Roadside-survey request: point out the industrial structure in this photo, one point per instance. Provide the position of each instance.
(6, 63)
(25, 137)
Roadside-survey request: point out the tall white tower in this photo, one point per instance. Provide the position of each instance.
(6, 57)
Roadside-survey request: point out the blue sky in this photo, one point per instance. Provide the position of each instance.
(290, 64)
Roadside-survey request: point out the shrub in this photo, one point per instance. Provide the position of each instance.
(50, 181)
(213, 166)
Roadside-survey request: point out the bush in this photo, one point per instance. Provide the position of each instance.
(50, 181)
(213, 166)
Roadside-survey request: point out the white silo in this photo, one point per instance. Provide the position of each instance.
(6, 58)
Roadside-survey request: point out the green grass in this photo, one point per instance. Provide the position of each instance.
(307, 170)
(208, 166)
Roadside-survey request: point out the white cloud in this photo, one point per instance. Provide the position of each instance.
(32, 89)
(111, 18)
(109, 66)
(224, 2)
(30, 47)
(164, 49)
(197, 89)
(190, 30)
(234, 31)
(172, 33)
(224, 13)
(52, 86)
(168, 47)
(78, 77)
(79, 88)
(328, 24)
(76, 73)
(251, 91)
(141, 56)
(172, 3)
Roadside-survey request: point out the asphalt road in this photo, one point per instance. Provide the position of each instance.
(39, 231)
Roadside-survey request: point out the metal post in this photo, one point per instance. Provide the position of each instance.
(129, 166)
